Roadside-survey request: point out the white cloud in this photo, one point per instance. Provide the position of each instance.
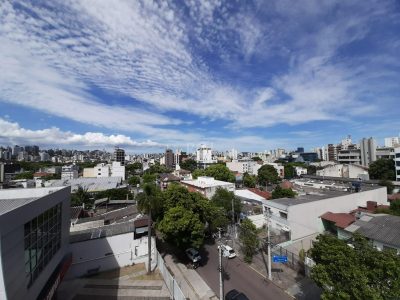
(11, 132)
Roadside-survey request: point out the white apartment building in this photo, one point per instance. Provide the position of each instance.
(350, 156)
(385, 152)
(392, 141)
(115, 169)
(243, 166)
(69, 172)
(300, 216)
(207, 186)
(204, 156)
(345, 171)
(300, 171)
(397, 162)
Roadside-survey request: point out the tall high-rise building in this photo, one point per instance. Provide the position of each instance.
(169, 159)
(368, 151)
(332, 152)
(119, 155)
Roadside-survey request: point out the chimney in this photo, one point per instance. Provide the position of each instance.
(371, 205)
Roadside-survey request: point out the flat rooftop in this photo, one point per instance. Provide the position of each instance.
(11, 199)
(317, 195)
(205, 182)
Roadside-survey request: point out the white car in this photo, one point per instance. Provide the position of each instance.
(227, 251)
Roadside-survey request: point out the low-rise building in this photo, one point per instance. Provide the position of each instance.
(381, 229)
(115, 169)
(69, 172)
(300, 216)
(166, 179)
(207, 186)
(300, 171)
(244, 166)
(345, 171)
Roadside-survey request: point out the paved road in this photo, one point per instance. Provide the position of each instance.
(237, 276)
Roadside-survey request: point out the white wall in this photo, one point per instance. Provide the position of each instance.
(304, 219)
(108, 253)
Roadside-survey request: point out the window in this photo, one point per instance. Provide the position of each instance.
(42, 240)
(397, 155)
(398, 163)
(283, 215)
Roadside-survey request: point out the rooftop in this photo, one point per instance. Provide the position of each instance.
(341, 220)
(90, 184)
(317, 195)
(205, 182)
(11, 199)
(379, 227)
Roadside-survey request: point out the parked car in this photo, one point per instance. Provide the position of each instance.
(194, 256)
(235, 295)
(227, 251)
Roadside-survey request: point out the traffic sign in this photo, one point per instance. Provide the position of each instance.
(279, 259)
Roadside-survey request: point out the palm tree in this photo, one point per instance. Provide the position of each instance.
(147, 202)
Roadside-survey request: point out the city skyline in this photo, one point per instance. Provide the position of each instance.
(251, 76)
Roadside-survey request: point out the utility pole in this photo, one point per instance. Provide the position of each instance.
(269, 247)
(221, 282)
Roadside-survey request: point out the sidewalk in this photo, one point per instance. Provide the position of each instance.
(190, 282)
(289, 280)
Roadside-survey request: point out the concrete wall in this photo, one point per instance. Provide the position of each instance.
(108, 253)
(304, 219)
(12, 251)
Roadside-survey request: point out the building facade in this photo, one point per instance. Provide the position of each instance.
(397, 163)
(169, 159)
(69, 172)
(207, 186)
(244, 166)
(119, 155)
(349, 156)
(368, 151)
(34, 235)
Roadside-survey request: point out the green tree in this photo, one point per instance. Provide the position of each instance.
(24, 175)
(198, 172)
(311, 170)
(389, 185)
(395, 207)
(290, 171)
(80, 196)
(149, 178)
(114, 194)
(189, 164)
(256, 158)
(149, 202)
(224, 198)
(249, 180)
(157, 169)
(220, 172)
(135, 168)
(382, 169)
(182, 228)
(248, 239)
(134, 180)
(360, 273)
(267, 175)
(279, 192)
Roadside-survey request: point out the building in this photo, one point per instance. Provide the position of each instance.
(309, 156)
(44, 156)
(204, 157)
(91, 185)
(207, 186)
(349, 156)
(34, 232)
(385, 152)
(300, 216)
(392, 142)
(166, 179)
(280, 169)
(115, 169)
(300, 171)
(169, 159)
(253, 195)
(69, 172)
(119, 155)
(345, 171)
(368, 151)
(380, 229)
(397, 162)
(244, 166)
(332, 153)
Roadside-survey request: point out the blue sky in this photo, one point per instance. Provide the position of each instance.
(253, 75)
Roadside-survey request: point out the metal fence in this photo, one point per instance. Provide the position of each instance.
(172, 285)
(294, 261)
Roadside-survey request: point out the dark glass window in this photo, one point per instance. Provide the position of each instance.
(42, 241)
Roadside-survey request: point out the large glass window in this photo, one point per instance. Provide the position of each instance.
(42, 240)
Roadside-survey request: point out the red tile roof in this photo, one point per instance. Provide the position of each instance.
(141, 222)
(341, 220)
(286, 184)
(394, 197)
(264, 194)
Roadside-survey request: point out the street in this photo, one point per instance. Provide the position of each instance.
(238, 275)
